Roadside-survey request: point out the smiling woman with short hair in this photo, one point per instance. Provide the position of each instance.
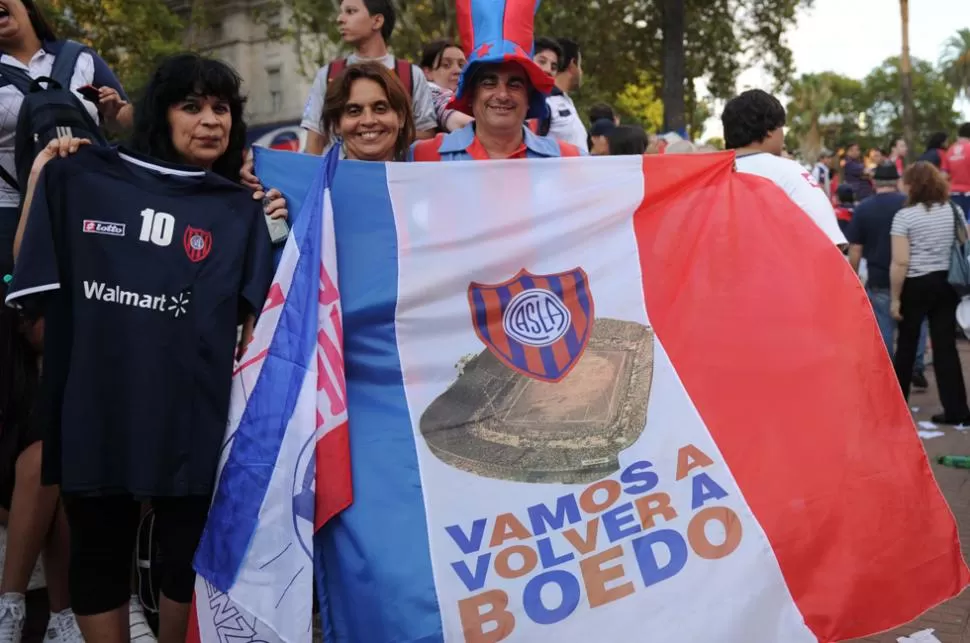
(369, 114)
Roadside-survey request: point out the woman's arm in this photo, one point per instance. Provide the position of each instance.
(457, 120)
(117, 113)
(116, 110)
(855, 256)
(315, 143)
(58, 147)
(249, 324)
(897, 272)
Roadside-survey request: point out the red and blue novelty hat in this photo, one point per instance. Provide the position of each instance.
(498, 31)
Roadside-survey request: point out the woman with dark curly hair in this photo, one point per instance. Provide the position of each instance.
(183, 89)
(160, 309)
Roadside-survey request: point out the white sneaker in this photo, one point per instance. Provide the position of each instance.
(138, 628)
(13, 613)
(62, 628)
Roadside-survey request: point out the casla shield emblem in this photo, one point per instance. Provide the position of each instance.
(197, 243)
(537, 325)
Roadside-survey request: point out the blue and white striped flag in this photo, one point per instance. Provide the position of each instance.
(285, 464)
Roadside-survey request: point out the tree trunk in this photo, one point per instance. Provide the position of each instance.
(450, 29)
(813, 141)
(906, 77)
(690, 107)
(674, 66)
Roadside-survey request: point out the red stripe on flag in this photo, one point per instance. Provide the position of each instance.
(334, 490)
(775, 342)
(274, 298)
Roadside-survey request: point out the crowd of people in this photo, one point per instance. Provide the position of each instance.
(117, 348)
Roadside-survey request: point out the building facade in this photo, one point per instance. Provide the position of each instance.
(276, 85)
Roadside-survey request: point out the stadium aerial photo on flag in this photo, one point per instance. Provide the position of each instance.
(537, 416)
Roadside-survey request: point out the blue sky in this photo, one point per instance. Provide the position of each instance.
(853, 36)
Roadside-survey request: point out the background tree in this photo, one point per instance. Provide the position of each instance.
(131, 35)
(811, 98)
(716, 142)
(673, 16)
(824, 111)
(639, 102)
(698, 111)
(955, 61)
(619, 38)
(906, 78)
(933, 98)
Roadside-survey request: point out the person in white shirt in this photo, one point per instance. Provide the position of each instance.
(366, 25)
(547, 54)
(753, 127)
(822, 172)
(566, 125)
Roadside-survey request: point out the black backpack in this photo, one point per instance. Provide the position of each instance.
(50, 110)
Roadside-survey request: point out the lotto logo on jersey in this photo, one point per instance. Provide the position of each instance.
(109, 228)
(177, 305)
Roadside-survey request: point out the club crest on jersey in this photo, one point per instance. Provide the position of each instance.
(197, 243)
(537, 325)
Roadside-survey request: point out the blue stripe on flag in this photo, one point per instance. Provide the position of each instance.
(583, 297)
(290, 173)
(481, 314)
(545, 352)
(516, 352)
(373, 562)
(255, 446)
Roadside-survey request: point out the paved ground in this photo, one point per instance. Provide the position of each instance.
(951, 621)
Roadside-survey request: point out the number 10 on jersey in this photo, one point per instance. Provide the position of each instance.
(157, 227)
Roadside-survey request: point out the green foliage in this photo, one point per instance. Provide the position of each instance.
(716, 142)
(620, 39)
(131, 35)
(933, 100)
(824, 111)
(640, 103)
(955, 61)
(831, 110)
(625, 40)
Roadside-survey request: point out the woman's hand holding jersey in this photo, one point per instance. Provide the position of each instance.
(59, 147)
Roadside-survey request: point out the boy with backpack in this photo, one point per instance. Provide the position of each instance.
(366, 25)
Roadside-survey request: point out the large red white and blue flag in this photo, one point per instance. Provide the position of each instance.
(605, 399)
(284, 469)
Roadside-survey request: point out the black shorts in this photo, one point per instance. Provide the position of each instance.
(103, 532)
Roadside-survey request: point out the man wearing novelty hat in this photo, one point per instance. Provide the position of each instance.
(500, 86)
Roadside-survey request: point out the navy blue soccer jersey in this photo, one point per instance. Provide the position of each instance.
(142, 271)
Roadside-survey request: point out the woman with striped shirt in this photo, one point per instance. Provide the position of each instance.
(922, 236)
